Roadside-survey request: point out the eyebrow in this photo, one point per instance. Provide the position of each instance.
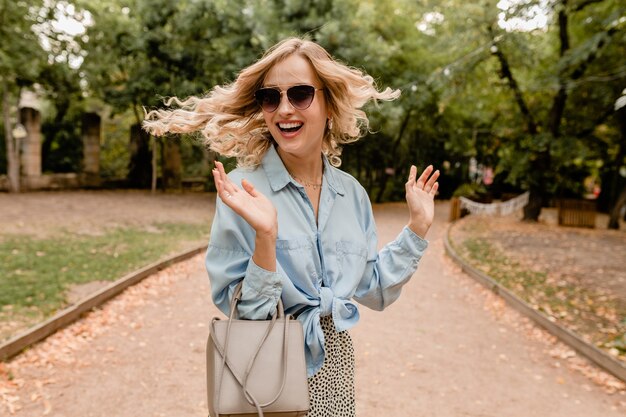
(289, 85)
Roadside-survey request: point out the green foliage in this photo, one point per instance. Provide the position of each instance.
(21, 58)
(456, 103)
(20, 52)
(490, 104)
(470, 190)
(62, 149)
(114, 155)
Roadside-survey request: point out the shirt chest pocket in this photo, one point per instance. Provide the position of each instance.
(298, 257)
(351, 258)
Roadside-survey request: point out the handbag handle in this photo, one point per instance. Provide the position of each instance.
(243, 382)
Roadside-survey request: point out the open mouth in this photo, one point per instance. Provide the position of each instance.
(290, 127)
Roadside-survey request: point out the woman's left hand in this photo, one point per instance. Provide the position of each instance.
(420, 196)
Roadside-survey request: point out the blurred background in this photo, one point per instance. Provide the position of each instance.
(520, 103)
(504, 96)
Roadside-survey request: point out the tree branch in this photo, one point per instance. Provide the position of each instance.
(578, 72)
(563, 35)
(505, 72)
(558, 104)
(584, 133)
(584, 4)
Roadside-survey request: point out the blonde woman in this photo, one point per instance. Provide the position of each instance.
(288, 222)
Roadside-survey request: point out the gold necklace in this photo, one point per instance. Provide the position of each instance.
(306, 183)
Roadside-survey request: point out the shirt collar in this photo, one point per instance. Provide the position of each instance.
(279, 177)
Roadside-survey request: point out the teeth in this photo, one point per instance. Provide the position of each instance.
(289, 125)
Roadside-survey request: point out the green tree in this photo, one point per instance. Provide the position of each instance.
(548, 135)
(140, 51)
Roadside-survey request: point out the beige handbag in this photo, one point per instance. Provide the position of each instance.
(256, 367)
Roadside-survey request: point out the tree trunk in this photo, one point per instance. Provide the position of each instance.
(621, 200)
(140, 169)
(537, 198)
(12, 148)
(614, 218)
(208, 162)
(90, 135)
(382, 185)
(155, 143)
(535, 202)
(171, 164)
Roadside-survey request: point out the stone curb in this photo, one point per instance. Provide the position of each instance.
(602, 359)
(39, 332)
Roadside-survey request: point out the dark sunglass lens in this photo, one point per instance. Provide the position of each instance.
(268, 99)
(301, 96)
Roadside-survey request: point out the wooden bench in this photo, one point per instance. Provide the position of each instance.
(455, 209)
(577, 213)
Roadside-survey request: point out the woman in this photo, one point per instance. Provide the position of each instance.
(287, 221)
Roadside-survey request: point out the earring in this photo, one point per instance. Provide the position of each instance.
(330, 123)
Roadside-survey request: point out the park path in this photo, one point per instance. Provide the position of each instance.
(447, 347)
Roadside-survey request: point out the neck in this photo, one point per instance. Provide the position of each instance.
(306, 169)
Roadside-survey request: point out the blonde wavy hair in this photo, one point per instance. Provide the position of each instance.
(231, 122)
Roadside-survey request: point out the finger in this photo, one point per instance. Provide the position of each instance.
(433, 191)
(224, 191)
(222, 172)
(217, 174)
(431, 181)
(221, 192)
(220, 169)
(408, 186)
(217, 179)
(412, 173)
(229, 187)
(249, 188)
(421, 181)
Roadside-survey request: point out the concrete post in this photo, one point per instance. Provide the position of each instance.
(31, 144)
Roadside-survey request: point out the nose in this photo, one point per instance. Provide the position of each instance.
(284, 107)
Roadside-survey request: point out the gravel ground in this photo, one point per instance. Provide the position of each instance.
(448, 347)
(584, 271)
(45, 214)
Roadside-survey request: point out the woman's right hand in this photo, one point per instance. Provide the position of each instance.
(251, 205)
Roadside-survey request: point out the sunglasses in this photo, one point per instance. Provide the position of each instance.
(300, 97)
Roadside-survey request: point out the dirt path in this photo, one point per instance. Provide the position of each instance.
(446, 348)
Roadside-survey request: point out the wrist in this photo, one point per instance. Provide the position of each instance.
(419, 229)
(267, 235)
(265, 250)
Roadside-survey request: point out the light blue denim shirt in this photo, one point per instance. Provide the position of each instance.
(321, 266)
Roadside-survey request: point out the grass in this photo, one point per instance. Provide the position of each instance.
(511, 274)
(586, 312)
(35, 273)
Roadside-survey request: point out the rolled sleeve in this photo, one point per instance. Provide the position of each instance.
(229, 260)
(260, 292)
(388, 270)
(412, 243)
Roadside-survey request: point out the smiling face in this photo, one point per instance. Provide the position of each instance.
(298, 133)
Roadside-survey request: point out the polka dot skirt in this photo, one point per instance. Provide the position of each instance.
(331, 389)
